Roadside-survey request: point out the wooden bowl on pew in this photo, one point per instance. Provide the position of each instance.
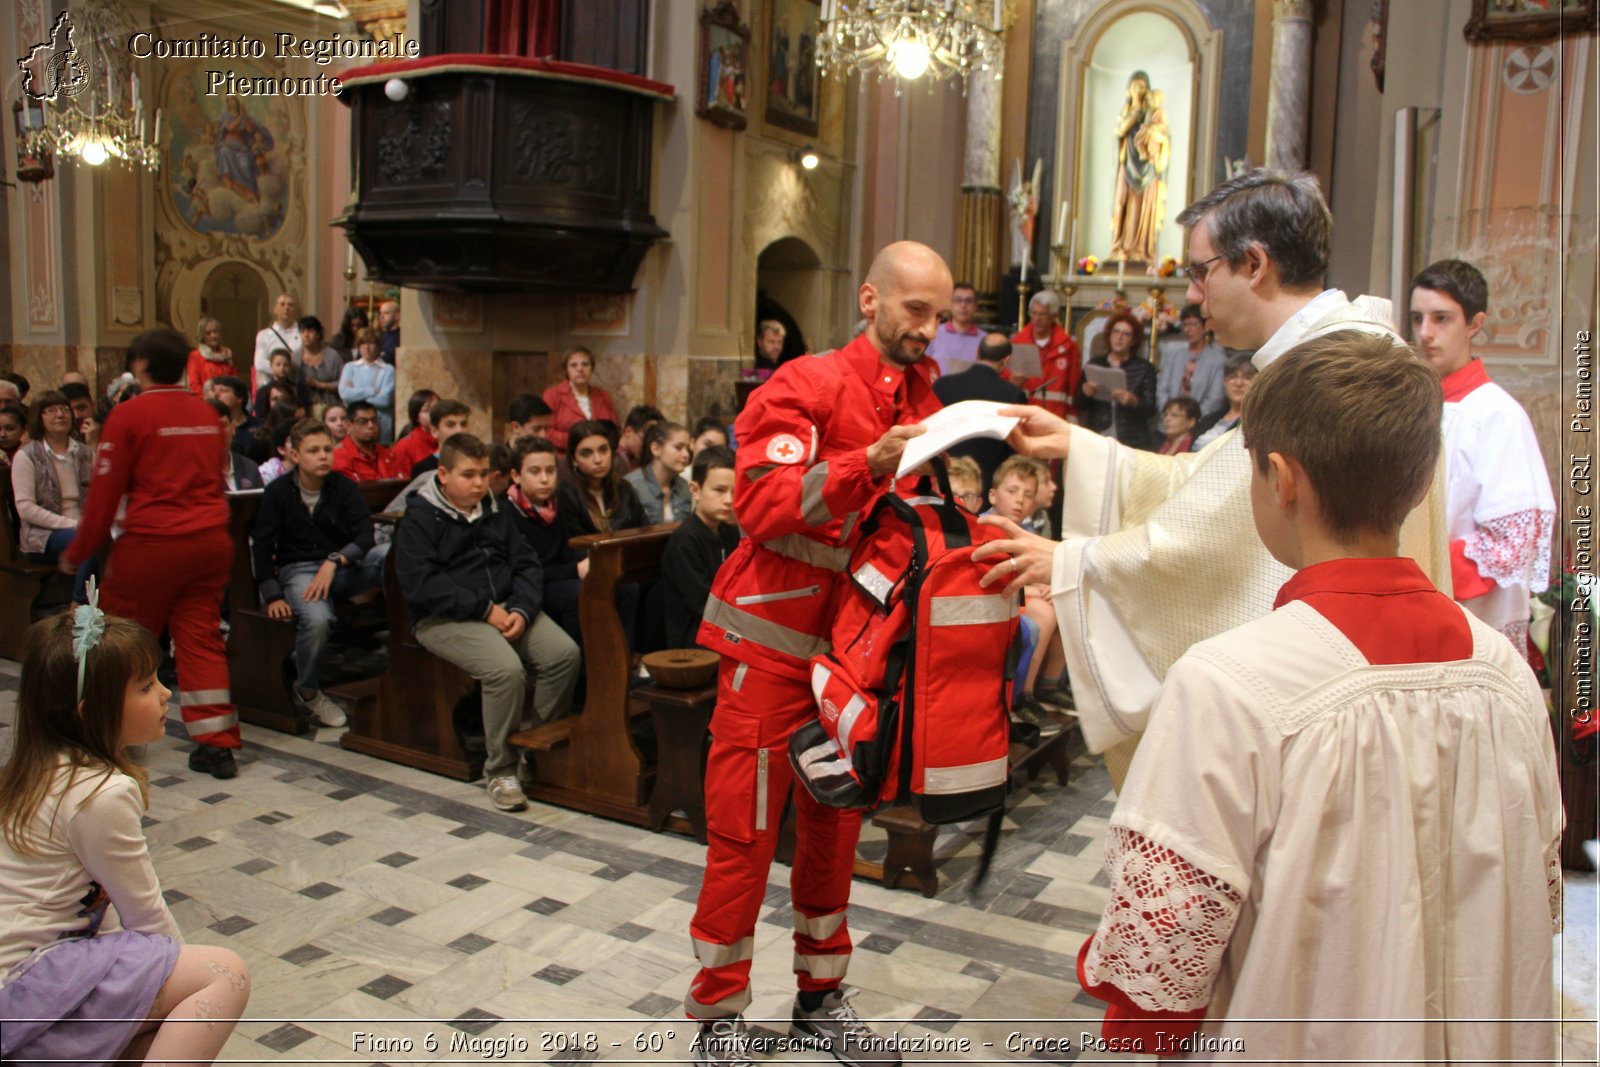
(682, 668)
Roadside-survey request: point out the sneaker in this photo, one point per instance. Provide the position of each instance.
(506, 794)
(836, 1029)
(1028, 709)
(723, 1043)
(1058, 696)
(322, 708)
(213, 760)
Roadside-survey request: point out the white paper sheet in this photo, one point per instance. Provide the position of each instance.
(952, 425)
(1109, 379)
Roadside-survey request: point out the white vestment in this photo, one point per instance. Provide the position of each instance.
(1500, 503)
(1335, 840)
(1160, 552)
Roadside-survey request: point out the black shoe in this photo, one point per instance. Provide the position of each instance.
(213, 760)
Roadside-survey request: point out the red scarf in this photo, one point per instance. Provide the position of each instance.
(545, 513)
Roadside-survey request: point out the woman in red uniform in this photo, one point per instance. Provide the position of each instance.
(576, 400)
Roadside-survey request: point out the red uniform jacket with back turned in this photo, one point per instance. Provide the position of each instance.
(801, 489)
(163, 450)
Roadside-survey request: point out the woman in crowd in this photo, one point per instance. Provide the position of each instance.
(344, 342)
(1178, 421)
(49, 481)
(369, 378)
(269, 436)
(13, 431)
(1236, 379)
(1125, 413)
(419, 415)
(593, 496)
(336, 417)
(319, 364)
(576, 400)
(210, 357)
(662, 492)
(709, 432)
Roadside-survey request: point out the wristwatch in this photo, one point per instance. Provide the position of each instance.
(336, 559)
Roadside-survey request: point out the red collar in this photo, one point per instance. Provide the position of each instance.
(1381, 576)
(885, 378)
(1459, 383)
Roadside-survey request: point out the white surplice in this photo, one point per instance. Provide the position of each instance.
(1159, 552)
(1365, 854)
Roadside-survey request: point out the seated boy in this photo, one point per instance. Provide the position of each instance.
(1016, 481)
(698, 546)
(473, 589)
(529, 416)
(548, 532)
(359, 455)
(449, 417)
(966, 482)
(1341, 828)
(312, 544)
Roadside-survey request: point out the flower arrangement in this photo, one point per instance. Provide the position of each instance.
(1088, 264)
(1168, 268)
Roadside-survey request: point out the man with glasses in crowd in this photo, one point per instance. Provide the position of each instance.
(359, 455)
(955, 343)
(1160, 552)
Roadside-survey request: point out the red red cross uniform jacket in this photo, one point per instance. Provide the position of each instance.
(802, 486)
(1063, 367)
(163, 451)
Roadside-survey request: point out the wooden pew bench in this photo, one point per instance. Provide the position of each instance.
(590, 761)
(21, 580)
(260, 648)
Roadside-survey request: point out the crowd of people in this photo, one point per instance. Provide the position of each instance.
(1257, 632)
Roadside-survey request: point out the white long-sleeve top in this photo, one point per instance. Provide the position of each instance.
(91, 852)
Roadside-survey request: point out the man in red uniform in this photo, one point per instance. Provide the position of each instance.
(161, 451)
(1058, 356)
(819, 442)
(360, 456)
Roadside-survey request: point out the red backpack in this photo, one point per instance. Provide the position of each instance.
(911, 699)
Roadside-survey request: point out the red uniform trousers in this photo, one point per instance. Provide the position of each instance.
(756, 712)
(176, 584)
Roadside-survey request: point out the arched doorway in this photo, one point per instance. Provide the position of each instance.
(790, 287)
(236, 296)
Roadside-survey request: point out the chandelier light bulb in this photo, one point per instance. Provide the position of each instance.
(94, 153)
(909, 59)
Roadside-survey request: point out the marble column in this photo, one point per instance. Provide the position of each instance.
(978, 228)
(1289, 99)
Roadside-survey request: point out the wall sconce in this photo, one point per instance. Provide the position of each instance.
(35, 162)
(806, 157)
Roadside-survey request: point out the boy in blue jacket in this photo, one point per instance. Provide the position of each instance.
(473, 589)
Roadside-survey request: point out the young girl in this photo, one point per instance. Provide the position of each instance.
(592, 496)
(336, 417)
(13, 431)
(71, 799)
(662, 492)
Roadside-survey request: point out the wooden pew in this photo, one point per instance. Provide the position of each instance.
(21, 581)
(260, 649)
(412, 718)
(589, 762)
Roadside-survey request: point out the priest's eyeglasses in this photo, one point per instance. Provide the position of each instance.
(1196, 272)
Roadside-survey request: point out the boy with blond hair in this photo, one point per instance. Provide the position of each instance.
(1341, 829)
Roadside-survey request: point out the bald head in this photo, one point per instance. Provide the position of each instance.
(907, 288)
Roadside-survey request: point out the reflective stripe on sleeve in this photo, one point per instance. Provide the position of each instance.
(764, 632)
(813, 508)
(800, 547)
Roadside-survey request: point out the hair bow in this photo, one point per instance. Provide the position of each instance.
(88, 626)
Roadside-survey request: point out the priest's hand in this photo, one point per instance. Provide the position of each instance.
(1024, 558)
(1039, 434)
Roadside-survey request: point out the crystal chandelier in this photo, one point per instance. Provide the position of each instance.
(102, 117)
(910, 38)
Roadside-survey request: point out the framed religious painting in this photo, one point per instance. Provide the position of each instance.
(1523, 20)
(793, 84)
(724, 59)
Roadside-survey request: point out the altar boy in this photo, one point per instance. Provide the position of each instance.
(1340, 831)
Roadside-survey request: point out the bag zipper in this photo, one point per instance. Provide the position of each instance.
(788, 594)
(761, 789)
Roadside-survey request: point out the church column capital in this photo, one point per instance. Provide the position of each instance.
(1291, 9)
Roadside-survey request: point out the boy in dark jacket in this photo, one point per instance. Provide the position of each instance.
(547, 530)
(473, 589)
(698, 546)
(312, 544)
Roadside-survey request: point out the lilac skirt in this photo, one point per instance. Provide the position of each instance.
(80, 1001)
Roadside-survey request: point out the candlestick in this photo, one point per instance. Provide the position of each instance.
(349, 256)
(1072, 249)
(1024, 265)
(1061, 223)
(1121, 266)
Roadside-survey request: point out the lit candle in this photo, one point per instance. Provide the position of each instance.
(157, 139)
(1061, 224)
(1024, 265)
(998, 5)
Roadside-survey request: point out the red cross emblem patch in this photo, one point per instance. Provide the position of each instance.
(785, 448)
